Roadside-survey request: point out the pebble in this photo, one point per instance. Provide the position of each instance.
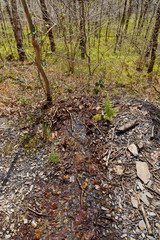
(151, 214)
(25, 221)
(137, 230)
(142, 225)
(7, 236)
(140, 185)
(34, 223)
(124, 235)
(12, 227)
(134, 202)
(133, 149)
(144, 198)
(158, 225)
(150, 238)
(72, 179)
(143, 235)
(143, 171)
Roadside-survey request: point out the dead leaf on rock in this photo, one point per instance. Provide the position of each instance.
(143, 171)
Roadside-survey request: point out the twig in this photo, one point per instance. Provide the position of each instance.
(96, 127)
(110, 150)
(146, 219)
(71, 119)
(37, 213)
(82, 192)
(152, 190)
(156, 89)
(152, 133)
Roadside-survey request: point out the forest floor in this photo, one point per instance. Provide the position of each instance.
(64, 176)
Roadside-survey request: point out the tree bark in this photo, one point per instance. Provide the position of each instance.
(17, 28)
(154, 40)
(37, 51)
(82, 29)
(47, 21)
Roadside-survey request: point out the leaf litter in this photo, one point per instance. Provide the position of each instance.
(82, 197)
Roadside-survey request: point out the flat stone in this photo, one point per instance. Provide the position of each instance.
(133, 149)
(140, 185)
(144, 198)
(72, 179)
(34, 223)
(148, 194)
(156, 203)
(158, 225)
(143, 171)
(142, 225)
(151, 214)
(7, 236)
(134, 202)
(25, 221)
(12, 227)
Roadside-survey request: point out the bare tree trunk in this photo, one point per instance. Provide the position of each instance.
(100, 29)
(120, 27)
(128, 15)
(46, 19)
(17, 29)
(5, 35)
(154, 40)
(82, 29)
(37, 51)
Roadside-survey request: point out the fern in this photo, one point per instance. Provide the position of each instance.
(109, 110)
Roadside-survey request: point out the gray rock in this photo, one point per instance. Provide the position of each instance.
(143, 171)
(133, 149)
(142, 225)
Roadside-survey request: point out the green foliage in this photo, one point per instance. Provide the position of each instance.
(109, 110)
(54, 158)
(99, 86)
(97, 118)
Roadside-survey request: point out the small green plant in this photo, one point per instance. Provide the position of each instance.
(99, 86)
(97, 118)
(109, 110)
(54, 158)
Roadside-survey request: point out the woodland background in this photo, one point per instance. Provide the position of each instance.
(98, 43)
